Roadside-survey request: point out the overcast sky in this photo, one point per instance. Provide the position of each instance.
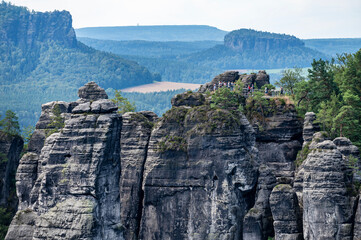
(302, 18)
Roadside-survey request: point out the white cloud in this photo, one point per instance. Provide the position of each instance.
(302, 18)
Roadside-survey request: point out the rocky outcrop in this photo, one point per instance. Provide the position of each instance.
(136, 130)
(327, 206)
(26, 28)
(259, 79)
(309, 127)
(10, 149)
(199, 175)
(357, 220)
(92, 92)
(258, 222)
(286, 213)
(71, 190)
(188, 99)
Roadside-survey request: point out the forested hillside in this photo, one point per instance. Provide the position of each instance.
(41, 60)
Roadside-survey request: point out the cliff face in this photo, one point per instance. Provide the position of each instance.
(24, 28)
(199, 172)
(247, 39)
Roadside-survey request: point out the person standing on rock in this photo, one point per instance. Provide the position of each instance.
(215, 87)
(281, 91)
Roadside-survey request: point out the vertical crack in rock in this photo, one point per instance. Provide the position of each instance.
(135, 137)
(141, 191)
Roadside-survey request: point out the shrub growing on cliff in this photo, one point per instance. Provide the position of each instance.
(57, 122)
(226, 99)
(10, 123)
(123, 104)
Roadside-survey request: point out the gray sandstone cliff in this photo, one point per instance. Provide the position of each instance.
(200, 175)
(199, 172)
(71, 189)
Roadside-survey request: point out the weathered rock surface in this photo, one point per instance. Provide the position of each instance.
(259, 79)
(258, 222)
(72, 188)
(27, 28)
(357, 221)
(286, 213)
(92, 92)
(136, 130)
(10, 149)
(327, 206)
(198, 181)
(309, 127)
(188, 99)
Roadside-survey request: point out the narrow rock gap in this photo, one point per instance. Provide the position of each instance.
(141, 191)
(353, 217)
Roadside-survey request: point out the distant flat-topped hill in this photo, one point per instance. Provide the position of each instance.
(154, 33)
(247, 48)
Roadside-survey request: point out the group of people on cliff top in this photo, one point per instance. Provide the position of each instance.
(221, 84)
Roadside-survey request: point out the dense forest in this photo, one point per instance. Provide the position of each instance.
(333, 91)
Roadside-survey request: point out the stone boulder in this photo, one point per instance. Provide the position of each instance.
(92, 92)
(188, 99)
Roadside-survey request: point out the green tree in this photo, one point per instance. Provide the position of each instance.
(26, 134)
(123, 104)
(57, 121)
(226, 99)
(290, 77)
(10, 123)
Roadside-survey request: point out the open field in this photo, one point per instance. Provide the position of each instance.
(161, 86)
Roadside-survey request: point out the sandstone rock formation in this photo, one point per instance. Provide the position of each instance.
(29, 28)
(309, 127)
(286, 213)
(71, 189)
(10, 149)
(198, 172)
(327, 207)
(198, 180)
(259, 79)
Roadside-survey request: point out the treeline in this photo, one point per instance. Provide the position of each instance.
(333, 91)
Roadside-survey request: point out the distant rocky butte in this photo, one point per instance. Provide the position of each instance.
(196, 173)
(248, 39)
(27, 27)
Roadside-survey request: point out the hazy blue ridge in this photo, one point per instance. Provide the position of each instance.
(154, 33)
(149, 48)
(334, 46)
